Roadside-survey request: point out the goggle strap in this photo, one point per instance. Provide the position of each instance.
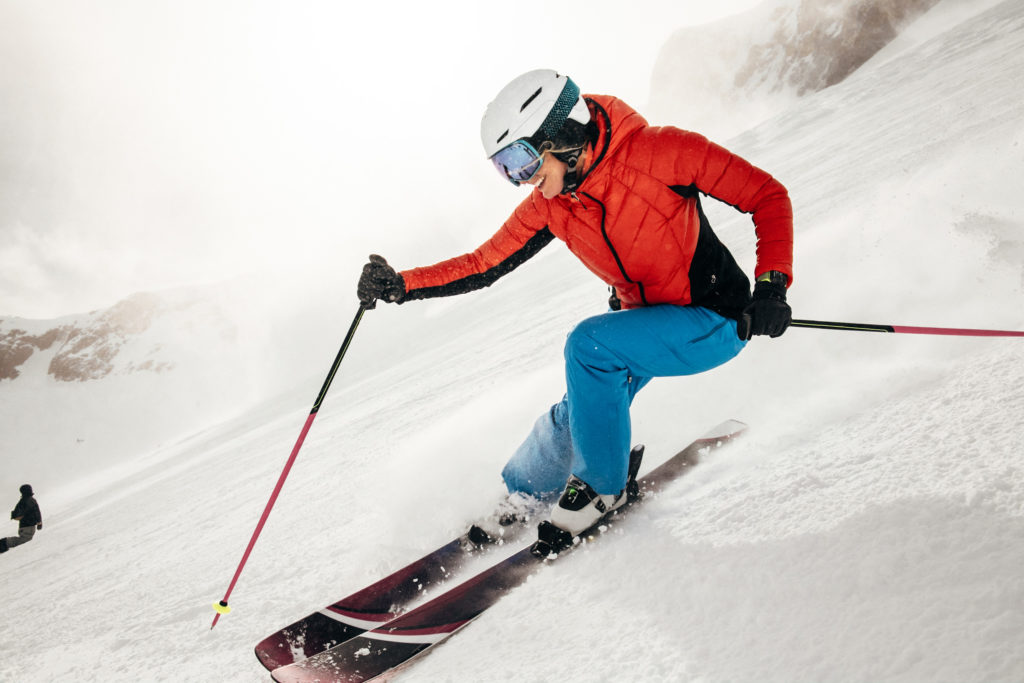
(559, 113)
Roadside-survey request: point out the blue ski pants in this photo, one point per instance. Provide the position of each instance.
(608, 359)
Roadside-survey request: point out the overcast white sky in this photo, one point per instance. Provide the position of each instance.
(149, 145)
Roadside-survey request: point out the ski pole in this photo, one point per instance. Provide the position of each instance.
(222, 606)
(903, 329)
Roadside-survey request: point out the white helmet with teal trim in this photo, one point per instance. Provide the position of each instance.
(533, 106)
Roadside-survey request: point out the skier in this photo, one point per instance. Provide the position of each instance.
(29, 519)
(625, 198)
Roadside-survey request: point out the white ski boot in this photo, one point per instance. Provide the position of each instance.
(580, 507)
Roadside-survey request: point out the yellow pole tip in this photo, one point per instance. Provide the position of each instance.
(221, 607)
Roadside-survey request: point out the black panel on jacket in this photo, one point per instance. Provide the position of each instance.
(716, 280)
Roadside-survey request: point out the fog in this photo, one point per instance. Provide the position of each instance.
(153, 145)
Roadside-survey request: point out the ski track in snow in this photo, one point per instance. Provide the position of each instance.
(870, 527)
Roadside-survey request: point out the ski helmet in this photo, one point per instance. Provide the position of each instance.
(537, 106)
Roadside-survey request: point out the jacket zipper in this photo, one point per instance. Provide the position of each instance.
(611, 247)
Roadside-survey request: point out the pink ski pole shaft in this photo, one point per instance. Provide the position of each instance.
(903, 329)
(222, 606)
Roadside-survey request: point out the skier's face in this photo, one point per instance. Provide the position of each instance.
(550, 178)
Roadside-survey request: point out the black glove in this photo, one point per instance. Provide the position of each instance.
(379, 281)
(767, 313)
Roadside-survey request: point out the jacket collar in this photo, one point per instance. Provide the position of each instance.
(616, 121)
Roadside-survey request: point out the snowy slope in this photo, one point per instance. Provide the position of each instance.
(870, 527)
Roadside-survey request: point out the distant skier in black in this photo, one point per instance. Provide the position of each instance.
(29, 519)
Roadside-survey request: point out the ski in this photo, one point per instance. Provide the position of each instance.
(379, 602)
(390, 647)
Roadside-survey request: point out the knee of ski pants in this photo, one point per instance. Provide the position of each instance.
(585, 349)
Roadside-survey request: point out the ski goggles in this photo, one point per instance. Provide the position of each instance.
(518, 162)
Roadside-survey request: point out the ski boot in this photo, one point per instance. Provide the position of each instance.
(580, 508)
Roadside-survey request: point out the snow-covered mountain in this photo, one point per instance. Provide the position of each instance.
(723, 76)
(88, 391)
(870, 527)
(123, 339)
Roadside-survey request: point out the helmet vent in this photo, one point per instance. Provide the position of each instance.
(502, 136)
(529, 99)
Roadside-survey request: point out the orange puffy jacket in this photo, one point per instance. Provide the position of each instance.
(636, 222)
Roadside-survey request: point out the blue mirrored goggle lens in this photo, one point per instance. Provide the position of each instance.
(518, 162)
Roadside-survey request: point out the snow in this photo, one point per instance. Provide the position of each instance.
(870, 527)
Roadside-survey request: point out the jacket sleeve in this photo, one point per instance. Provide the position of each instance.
(729, 178)
(521, 236)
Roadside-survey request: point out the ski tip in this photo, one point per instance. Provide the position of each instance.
(725, 430)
